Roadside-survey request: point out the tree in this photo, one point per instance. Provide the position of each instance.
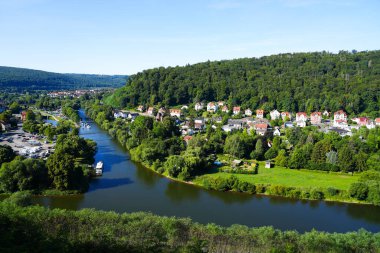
(65, 174)
(6, 154)
(174, 165)
(259, 151)
(359, 190)
(346, 159)
(320, 150)
(298, 159)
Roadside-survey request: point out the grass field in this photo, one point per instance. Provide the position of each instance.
(289, 177)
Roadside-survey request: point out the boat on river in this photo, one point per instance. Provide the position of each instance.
(99, 168)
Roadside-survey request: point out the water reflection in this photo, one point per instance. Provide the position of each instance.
(105, 183)
(145, 175)
(179, 192)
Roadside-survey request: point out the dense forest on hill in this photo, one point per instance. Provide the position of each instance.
(289, 82)
(20, 79)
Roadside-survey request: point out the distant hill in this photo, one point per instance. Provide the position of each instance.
(20, 79)
(289, 82)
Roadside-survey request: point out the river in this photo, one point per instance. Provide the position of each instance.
(128, 187)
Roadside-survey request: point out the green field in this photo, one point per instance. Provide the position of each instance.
(289, 177)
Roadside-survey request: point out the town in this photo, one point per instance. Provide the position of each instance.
(262, 122)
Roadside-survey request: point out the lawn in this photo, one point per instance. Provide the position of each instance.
(289, 177)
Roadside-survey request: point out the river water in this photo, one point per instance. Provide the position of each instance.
(128, 187)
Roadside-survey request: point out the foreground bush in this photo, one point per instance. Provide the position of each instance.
(37, 229)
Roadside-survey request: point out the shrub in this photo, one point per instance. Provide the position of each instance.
(359, 190)
(317, 194)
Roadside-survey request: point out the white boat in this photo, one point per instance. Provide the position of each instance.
(99, 168)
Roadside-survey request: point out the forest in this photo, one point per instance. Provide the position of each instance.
(289, 82)
(20, 79)
(26, 228)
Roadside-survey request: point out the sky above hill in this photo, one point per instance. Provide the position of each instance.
(124, 37)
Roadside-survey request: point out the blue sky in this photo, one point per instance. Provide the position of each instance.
(124, 37)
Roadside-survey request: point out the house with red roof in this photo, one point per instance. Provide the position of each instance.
(316, 118)
(236, 110)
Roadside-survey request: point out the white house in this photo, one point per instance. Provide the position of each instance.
(259, 113)
(199, 106)
(316, 118)
(275, 114)
(301, 118)
(212, 107)
(248, 112)
(175, 113)
(340, 115)
(326, 113)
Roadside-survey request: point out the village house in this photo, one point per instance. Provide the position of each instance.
(301, 118)
(187, 138)
(361, 121)
(248, 112)
(212, 107)
(236, 110)
(225, 109)
(316, 118)
(150, 111)
(199, 106)
(221, 103)
(261, 128)
(259, 113)
(175, 113)
(371, 124)
(275, 114)
(140, 108)
(326, 114)
(377, 121)
(340, 115)
(286, 115)
(199, 123)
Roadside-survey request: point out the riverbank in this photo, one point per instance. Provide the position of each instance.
(300, 193)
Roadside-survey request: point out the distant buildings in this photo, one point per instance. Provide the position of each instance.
(175, 113)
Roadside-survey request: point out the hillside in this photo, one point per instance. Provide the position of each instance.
(289, 82)
(19, 79)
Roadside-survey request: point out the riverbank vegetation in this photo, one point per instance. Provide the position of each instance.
(25, 227)
(331, 165)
